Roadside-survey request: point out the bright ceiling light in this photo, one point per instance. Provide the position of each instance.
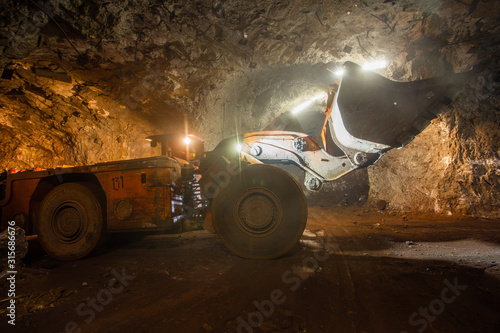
(375, 65)
(339, 72)
(319, 96)
(308, 102)
(187, 140)
(301, 106)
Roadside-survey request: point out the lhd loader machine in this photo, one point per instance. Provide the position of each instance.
(257, 209)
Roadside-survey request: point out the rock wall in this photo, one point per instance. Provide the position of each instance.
(50, 118)
(453, 167)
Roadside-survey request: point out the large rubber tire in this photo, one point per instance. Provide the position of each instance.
(70, 223)
(261, 213)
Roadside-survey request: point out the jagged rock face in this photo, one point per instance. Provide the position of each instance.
(86, 81)
(453, 166)
(46, 122)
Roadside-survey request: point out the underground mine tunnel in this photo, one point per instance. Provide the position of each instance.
(249, 166)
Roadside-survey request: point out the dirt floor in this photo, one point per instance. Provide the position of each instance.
(354, 271)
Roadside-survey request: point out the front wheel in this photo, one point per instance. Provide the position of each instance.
(261, 213)
(70, 223)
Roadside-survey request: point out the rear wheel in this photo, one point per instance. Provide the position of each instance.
(261, 213)
(70, 224)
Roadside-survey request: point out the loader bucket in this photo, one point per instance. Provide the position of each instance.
(379, 110)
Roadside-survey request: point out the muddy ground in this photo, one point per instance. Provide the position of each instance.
(355, 271)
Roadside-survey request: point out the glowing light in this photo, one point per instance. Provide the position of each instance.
(187, 140)
(308, 102)
(339, 72)
(238, 147)
(148, 139)
(375, 65)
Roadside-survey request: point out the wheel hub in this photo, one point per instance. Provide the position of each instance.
(68, 221)
(258, 211)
